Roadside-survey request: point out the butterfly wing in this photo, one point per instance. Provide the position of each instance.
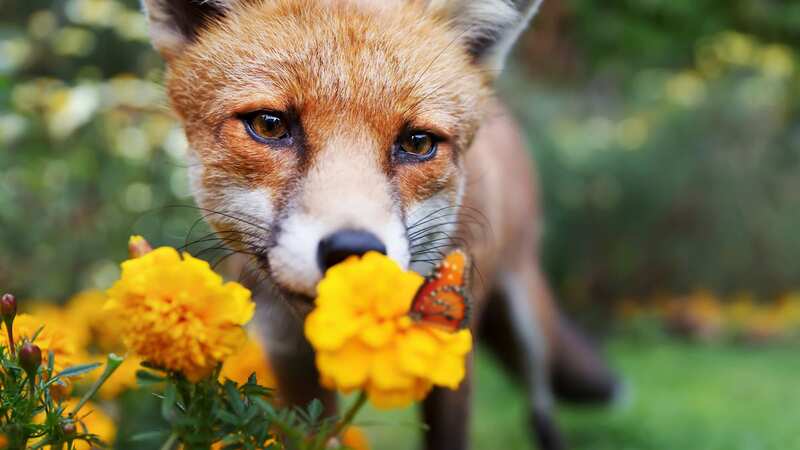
(442, 301)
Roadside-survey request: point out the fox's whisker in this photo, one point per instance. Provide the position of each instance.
(224, 240)
(211, 212)
(417, 221)
(220, 248)
(429, 261)
(444, 242)
(416, 234)
(438, 249)
(226, 232)
(465, 220)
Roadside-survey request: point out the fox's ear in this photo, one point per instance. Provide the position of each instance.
(490, 27)
(174, 23)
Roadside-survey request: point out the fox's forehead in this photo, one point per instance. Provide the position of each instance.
(329, 57)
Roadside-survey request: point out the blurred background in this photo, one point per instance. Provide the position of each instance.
(667, 135)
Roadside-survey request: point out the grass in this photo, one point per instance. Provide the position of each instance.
(679, 396)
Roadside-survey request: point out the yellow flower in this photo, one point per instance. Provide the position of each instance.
(364, 338)
(267, 443)
(52, 338)
(355, 439)
(86, 308)
(54, 315)
(175, 312)
(251, 358)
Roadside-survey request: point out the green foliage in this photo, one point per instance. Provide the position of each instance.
(237, 417)
(640, 33)
(30, 416)
(666, 179)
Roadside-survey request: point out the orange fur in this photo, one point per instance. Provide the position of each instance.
(346, 72)
(351, 76)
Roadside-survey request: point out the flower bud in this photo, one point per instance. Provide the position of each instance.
(138, 246)
(30, 358)
(8, 308)
(69, 428)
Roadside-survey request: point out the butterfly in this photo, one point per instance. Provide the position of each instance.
(442, 301)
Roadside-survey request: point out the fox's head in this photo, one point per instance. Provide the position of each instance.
(321, 129)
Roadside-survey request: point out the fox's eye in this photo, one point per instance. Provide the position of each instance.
(266, 126)
(419, 145)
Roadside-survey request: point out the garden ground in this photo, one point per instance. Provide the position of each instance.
(680, 396)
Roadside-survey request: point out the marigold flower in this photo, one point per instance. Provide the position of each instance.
(364, 338)
(175, 312)
(75, 326)
(138, 246)
(102, 331)
(355, 438)
(219, 445)
(251, 358)
(53, 338)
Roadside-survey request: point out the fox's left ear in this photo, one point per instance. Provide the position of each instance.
(489, 27)
(175, 23)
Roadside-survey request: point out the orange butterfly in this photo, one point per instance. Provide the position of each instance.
(442, 299)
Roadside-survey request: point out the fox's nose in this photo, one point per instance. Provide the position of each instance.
(340, 245)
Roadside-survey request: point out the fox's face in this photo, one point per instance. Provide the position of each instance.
(322, 129)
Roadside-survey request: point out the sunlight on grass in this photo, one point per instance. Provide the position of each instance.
(680, 397)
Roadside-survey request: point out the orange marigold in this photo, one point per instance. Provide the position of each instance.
(52, 338)
(364, 338)
(175, 312)
(250, 359)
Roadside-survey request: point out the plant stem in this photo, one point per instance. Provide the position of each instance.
(32, 384)
(348, 417)
(11, 340)
(112, 363)
(171, 440)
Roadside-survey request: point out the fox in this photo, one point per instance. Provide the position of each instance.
(323, 129)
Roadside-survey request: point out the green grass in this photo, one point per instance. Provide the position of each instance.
(679, 397)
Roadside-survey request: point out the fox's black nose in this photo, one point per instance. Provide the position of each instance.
(338, 246)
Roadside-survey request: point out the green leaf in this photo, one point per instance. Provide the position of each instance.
(148, 378)
(51, 360)
(229, 418)
(169, 402)
(149, 436)
(254, 390)
(265, 406)
(74, 371)
(314, 410)
(36, 333)
(234, 397)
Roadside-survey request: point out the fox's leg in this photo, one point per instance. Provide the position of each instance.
(527, 298)
(298, 380)
(292, 358)
(446, 413)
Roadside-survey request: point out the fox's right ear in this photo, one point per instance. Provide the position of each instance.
(489, 28)
(175, 23)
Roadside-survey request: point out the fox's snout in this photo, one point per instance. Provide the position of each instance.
(343, 244)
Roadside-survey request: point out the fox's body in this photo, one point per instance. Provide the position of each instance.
(305, 119)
